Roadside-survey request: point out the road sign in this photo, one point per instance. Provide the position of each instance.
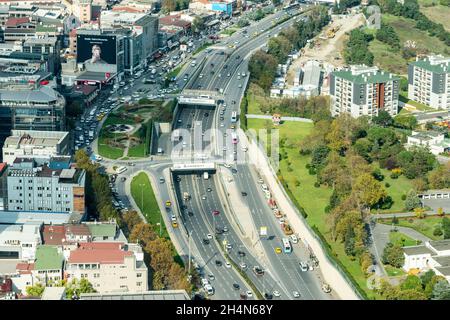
(263, 231)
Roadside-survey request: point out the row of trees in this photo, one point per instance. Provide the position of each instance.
(411, 9)
(357, 48)
(166, 273)
(74, 288)
(427, 286)
(174, 5)
(343, 5)
(98, 193)
(263, 66)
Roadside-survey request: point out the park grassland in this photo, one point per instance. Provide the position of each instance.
(425, 226)
(437, 13)
(147, 203)
(401, 239)
(107, 151)
(387, 59)
(312, 199)
(398, 187)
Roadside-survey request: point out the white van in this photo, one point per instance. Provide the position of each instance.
(264, 187)
(294, 238)
(209, 289)
(160, 151)
(121, 169)
(205, 175)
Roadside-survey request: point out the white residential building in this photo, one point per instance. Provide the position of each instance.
(429, 81)
(111, 267)
(362, 91)
(32, 143)
(20, 241)
(435, 141)
(434, 255)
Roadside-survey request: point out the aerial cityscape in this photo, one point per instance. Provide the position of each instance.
(225, 150)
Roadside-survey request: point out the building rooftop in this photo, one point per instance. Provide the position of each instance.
(23, 233)
(16, 217)
(437, 64)
(54, 293)
(14, 22)
(43, 94)
(444, 261)
(102, 229)
(363, 74)
(440, 245)
(53, 235)
(101, 245)
(77, 229)
(48, 258)
(101, 256)
(35, 139)
(149, 295)
(415, 250)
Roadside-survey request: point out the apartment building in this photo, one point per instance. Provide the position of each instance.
(434, 141)
(19, 241)
(32, 144)
(110, 266)
(363, 91)
(35, 185)
(429, 81)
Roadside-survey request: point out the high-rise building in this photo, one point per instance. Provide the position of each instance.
(362, 91)
(429, 81)
(37, 186)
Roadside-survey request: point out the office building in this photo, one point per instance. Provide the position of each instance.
(429, 81)
(37, 186)
(363, 91)
(29, 143)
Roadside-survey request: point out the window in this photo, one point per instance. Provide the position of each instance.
(138, 275)
(138, 284)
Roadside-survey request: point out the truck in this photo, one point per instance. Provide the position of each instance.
(205, 175)
(186, 196)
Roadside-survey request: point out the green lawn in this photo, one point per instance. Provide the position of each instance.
(114, 119)
(137, 151)
(394, 272)
(200, 49)
(253, 105)
(106, 151)
(418, 105)
(437, 13)
(425, 226)
(146, 201)
(397, 188)
(392, 61)
(229, 31)
(312, 199)
(401, 239)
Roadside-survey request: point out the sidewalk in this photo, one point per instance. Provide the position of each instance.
(331, 275)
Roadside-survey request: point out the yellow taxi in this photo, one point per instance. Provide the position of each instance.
(168, 203)
(278, 250)
(233, 126)
(174, 224)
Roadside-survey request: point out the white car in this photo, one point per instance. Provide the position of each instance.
(294, 238)
(249, 294)
(205, 282)
(296, 294)
(209, 289)
(243, 266)
(173, 218)
(209, 236)
(276, 293)
(303, 266)
(227, 265)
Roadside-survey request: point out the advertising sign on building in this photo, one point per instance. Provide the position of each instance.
(96, 49)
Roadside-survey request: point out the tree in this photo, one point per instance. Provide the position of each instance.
(411, 294)
(412, 201)
(242, 23)
(446, 227)
(416, 162)
(198, 24)
(319, 156)
(366, 260)
(383, 119)
(368, 190)
(131, 219)
(160, 252)
(439, 178)
(429, 287)
(77, 287)
(419, 212)
(426, 277)
(35, 291)
(411, 283)
(142, 233)
(393, 255)
(441, 291)
(405, 121)
(350, 241)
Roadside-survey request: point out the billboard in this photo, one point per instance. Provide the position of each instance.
(96, 49)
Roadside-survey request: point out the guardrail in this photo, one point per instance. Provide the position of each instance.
(313, 230)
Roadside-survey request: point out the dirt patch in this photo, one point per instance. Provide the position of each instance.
(327, 50)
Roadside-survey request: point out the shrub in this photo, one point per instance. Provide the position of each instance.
(289, 169)
(387, 185)
(403, 197)
(311, 171)
(316, 184)
(437, 232)
(394, 175)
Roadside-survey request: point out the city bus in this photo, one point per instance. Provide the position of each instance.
(234, 138)
(286, 245)
(234, 116)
